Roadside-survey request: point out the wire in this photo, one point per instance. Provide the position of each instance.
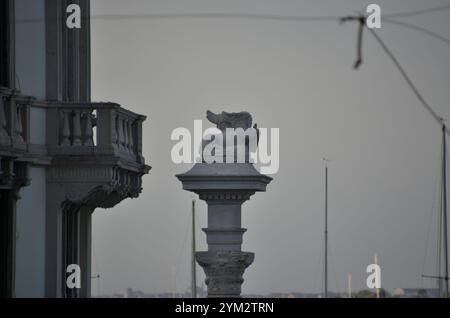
(219, 15)
(359, 44)
(439, 119)
(236, 16)
(418, 28)
(199, 15)
(417, 12)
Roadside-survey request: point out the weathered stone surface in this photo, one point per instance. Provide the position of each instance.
(237, 178)
(235, 142)
(230, 120)
(224, 270)
(225, 187)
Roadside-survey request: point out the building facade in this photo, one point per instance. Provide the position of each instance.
(61, 155)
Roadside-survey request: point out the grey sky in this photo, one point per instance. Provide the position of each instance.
(297, 76)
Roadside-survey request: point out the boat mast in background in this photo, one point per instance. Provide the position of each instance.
(349, 282)
(326, 231)
(444, 205)
(193, 265)
(442, 231)
(375, 259)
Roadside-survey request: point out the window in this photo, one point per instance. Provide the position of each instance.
(5, 43)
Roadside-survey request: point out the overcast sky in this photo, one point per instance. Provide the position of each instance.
(297, 76)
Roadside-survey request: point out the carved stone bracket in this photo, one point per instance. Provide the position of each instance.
(94, 187)
(14, 175)
(75, 188)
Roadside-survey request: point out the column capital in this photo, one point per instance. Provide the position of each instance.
(224, 270)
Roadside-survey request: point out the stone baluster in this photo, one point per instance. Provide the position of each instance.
(107, 129)
(115, 130)
(138, 139)
(121, 132)
(3, 123)
(76, 128)
(65, 134)
(119, 176)
(132, 129)
(130, 136)
(18, 129)
(88, 141)
(115, 175)
(125, 133)
(125, 179)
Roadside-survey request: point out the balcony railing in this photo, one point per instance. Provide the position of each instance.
(74, 129)
(99, 128)
(14, 120)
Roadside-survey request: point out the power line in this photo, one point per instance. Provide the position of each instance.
(439, 119)
(417, 12)
(219, 15)
(144, 16)
(210, 15)
(418, 28)
(260, 16)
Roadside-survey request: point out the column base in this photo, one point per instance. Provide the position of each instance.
(224, 270)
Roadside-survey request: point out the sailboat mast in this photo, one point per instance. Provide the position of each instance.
(443, 225)
(193, 266)
(349, 283)
(444, 205)
(326, 233)
(375, 259)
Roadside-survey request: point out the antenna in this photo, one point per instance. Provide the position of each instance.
(174, 280)
(326, 230)
(97, 277)
(193, 265)
(375, 258)
(349, 285)
(444, 205)
(443, 221)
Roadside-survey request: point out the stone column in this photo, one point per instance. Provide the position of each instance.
(74, 190)
(13, 177)
(224, 187)
(225, 183)
(224, 263)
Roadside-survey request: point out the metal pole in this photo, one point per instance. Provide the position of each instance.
(326, 233)
(349, 285)
(444, 206)
(375, 258)
(193, 265)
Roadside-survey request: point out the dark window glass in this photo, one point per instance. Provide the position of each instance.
(4, 43)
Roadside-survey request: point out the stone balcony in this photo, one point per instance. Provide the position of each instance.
(92, 155)
(90, 143)
(14, 120)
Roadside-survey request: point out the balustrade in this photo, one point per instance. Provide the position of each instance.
(72, 127)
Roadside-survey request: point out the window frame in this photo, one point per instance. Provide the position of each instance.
(7, 68)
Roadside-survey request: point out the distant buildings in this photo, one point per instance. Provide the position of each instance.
(131, 293)
(398, 293)
(416, 293)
